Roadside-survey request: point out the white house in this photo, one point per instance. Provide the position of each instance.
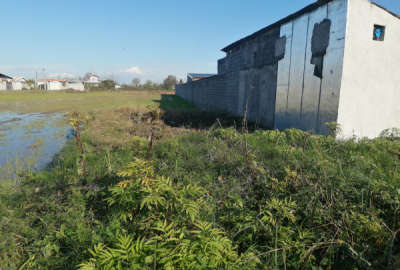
(75, 85)
(16, 83)
(58, 85)
(92, 80)
(19, 83)
(51, 84)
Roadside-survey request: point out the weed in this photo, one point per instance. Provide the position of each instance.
(77, 125)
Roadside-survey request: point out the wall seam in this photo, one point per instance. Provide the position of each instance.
(290, 68)
(304, 68)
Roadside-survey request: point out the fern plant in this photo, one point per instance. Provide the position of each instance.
(168, 230)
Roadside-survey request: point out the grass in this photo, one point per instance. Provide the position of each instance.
(49, 102)
(276, 200)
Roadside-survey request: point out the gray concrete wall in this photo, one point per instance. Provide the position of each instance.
(216, 93)
(370, 94)
(304, 100)
(275, 73)
(248, 75)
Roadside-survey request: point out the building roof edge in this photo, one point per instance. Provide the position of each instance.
(385, 9)
(292, 16)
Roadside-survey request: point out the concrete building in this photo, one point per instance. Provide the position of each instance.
(333, 61)
(58, 85)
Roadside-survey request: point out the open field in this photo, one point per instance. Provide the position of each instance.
(47, 102)
(108, 118)
(109, 115)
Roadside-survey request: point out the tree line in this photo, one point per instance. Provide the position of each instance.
(168, 83)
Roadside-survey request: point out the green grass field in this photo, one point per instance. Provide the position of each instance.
(47, 102)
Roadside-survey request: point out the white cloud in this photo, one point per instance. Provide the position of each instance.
(134, 70)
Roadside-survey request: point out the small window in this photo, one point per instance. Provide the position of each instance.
(379, 32)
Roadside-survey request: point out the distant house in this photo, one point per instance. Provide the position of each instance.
(19, 83)
(5, 82)
(58, 85)
(75, 85)
(92, 80)
(192, 77)
(51, 84)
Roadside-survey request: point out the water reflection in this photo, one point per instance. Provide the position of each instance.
(30, 141)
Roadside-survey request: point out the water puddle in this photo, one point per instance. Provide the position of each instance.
(30, 141)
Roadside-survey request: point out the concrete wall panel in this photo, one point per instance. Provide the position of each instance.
(299, 45)
(311, 101)
(333, 66)
(283, 80)
(312, 83)
(268, 86)
(243, 75)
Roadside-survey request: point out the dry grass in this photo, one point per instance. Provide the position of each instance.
(117, 127)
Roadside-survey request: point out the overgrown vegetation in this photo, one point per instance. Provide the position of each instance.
(206, 198)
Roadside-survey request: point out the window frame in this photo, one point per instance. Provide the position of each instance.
(382, 37)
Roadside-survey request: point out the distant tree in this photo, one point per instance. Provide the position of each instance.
(148, 85)
(108, 84)
(136, 82)
(30, 81)
(169, 82)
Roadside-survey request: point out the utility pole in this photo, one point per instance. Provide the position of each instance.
(36, 77)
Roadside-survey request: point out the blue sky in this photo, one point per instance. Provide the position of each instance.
(122, 39)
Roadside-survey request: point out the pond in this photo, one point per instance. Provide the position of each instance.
(30, 141)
